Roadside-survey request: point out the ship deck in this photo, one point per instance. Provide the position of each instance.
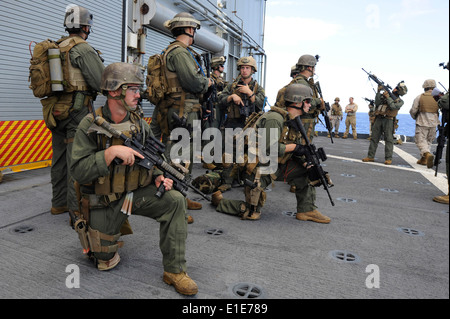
(387, 239)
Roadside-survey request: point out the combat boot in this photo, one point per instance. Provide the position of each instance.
(193, 205)
(216, 198)
(210, 166)
(336, 135)
(108, 264)
(253, 216)
(422, 160)
(224, 187)
(190, 219)
(182, 282)
(441, 199)
(314, 216)
(344, 136)
(58, 210)
(368, 159)
(429, 158)
(387, 162)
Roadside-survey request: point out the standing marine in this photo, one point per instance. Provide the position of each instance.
(425, 111)
(336, 116)
(386, 109)
(186, 83)
(82, 71)
(241, 98)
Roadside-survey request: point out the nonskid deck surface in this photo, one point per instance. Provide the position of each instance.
(387, 239)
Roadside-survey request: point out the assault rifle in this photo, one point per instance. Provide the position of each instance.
(152, 152)
(181, 122)
(443, 65)
(210, 98)
(386, 87)
(325, 112)
(248, 107)
(371, 104)
(313, 158)
(440, 141)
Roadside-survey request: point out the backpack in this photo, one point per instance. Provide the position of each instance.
(39, 74)
(156, 80)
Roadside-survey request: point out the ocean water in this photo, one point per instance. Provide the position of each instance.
(406, 125)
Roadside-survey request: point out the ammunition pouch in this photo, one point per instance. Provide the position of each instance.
(47, 110)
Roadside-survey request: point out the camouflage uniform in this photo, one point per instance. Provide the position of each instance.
(68, 115)
(385, 111)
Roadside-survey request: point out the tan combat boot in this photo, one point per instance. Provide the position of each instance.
(387, 162)
(193, 205)
(108, 264)
(314, 216)
(336, 135)
(58, 210)
(368, 159)
(190, 219)
(344, 136)
(422, 160)
(210, 166)
(441, 199)
(182, 282)
(216, 198)
(429, 158)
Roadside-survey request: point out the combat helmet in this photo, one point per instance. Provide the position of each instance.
(247, 60)
(182, 20)
(117, 74)
(306, 60)
(401, 88)
(297, 93)
(337, 99)
(218, 61)
(76, 17)
(430, 83)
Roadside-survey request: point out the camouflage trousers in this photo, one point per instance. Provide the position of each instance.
(63, 191)
(382, 126)
(293, 173)
(169, 212)
(424, 138)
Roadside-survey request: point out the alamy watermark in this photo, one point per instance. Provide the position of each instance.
(373, 279)
(248, 146)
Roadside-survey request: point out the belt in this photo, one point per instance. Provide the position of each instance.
(385, 117)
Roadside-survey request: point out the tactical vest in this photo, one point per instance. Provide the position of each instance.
(383, 110)
(336, 110)
(73, 78)
(233, 110)
(121, 178)
(427, 103)
(175, 90)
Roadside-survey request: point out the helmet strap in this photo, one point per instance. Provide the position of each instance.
(121, 97)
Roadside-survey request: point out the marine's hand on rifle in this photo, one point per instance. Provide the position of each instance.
(124, 153)
(167, 182)
(236, 99)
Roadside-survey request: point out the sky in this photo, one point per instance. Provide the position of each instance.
(395, 40)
